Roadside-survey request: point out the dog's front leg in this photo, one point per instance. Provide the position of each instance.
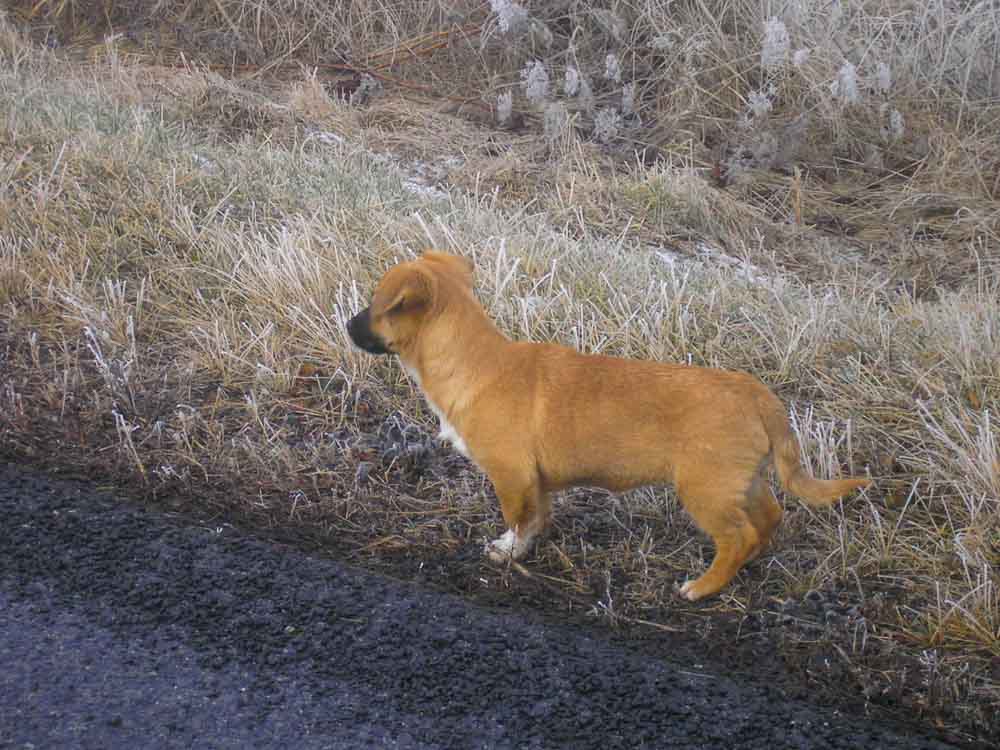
(527, 511)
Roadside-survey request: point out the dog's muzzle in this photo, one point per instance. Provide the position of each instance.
(359, 328)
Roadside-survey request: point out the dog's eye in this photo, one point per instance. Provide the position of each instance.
(397, 306)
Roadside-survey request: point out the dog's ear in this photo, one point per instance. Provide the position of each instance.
(413, 290)
(455, 265)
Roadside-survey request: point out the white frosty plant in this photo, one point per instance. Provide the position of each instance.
(612, 68)
(883, 77)
(606, 125)
(759, 102)
(505, 104)
(586, 95)
(571, 83)
(368, 88)
(894, 126)
(535, 80)
(575, 84)
(845, 85)
(628, 99)
(612, 24)
(665, 41)
(555, 122)
(775, 46)
(510, 16)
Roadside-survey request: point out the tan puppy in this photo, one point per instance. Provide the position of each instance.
(542, 417)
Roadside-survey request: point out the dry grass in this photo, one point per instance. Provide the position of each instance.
(872, 122)
(180, 249)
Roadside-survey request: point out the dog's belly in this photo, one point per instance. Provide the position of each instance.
(611, 481)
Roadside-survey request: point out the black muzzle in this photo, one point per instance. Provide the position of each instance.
(359, 328)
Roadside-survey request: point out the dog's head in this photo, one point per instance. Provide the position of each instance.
(406, 297)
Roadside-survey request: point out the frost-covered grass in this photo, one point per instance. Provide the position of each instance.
(179, 251)
(873, 121)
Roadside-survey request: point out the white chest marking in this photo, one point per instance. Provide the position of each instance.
(447, 430)
(449, 433)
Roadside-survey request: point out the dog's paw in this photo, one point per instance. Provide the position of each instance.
(508, 547)
(496, 554)
(689, 590)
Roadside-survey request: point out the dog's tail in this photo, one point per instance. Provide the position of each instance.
(787, 462)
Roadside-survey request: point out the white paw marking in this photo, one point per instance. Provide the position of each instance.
(686, 591)
(510, 546)
(506, 542)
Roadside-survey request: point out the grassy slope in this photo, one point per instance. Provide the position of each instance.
(178, 253)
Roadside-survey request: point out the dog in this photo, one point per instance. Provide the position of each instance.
(541, 417)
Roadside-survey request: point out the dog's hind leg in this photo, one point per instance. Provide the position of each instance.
(764, 511)
(527, 511)
(718, 507)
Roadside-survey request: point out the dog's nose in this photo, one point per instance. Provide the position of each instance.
(358, 325)
(360, 331)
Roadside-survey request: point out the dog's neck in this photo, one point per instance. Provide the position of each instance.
(453, 354)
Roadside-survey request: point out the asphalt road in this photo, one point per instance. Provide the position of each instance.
(124, 628)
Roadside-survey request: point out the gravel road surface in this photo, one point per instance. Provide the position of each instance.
(124, 628)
